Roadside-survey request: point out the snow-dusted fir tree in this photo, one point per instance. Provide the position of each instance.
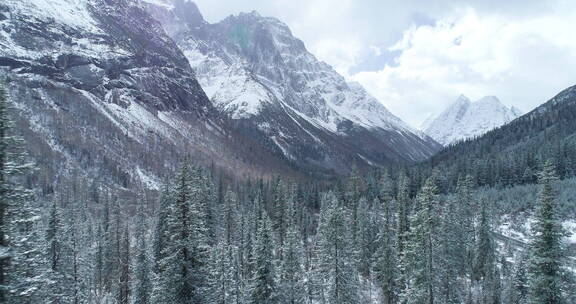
(546, 253)
(290, 273)
(181, 271)
(485, 271)
(263, 285)
(4, 198)
(386, 260)
(451, 253)
(160, 237)
(420, 248)
(402, 233)
(142, 285)
(22, 262)
(337, 270)
(110, 246)
(367, 242)
(518, 290)
(224, 273)
(124, 272)
(224, 279)
(59, 258)
(79, 246)
(463, 234)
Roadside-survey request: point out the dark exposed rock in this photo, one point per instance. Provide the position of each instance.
(13, 63)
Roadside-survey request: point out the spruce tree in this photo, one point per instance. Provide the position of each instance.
(141, 283)
(124, 273)
(337, 273)
(545, 260)
(386, 259)
(225, 277)
(4, 198)
(59, 258)
(421, 248)
(263, 285)
(23, 265)
(291, 278)
(518, 292)
(403, 199)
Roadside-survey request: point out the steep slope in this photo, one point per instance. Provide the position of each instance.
(255, 71)
(101, 92)
(465, 119)
(513, 153)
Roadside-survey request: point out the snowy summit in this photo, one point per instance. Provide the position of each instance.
(465, 119)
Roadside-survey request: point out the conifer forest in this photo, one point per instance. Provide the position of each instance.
(164, 152)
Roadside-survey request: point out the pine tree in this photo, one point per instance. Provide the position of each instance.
(224, 279)
(518, 293)
(365, 237)
(485, 270)
(484, 259)
(450, 259)
(80, 245)
(263, 286)
(462, 231)
(403, 198)
(58, 258)
(182, 266)
(22, 262)
(337, 272)
(544, 271)
(160, 237)
(420, 249)
(291, 279)
(124, 290)
(4, 188)
(110, 246)
(386, 260)
(224, 271)
(142, 284)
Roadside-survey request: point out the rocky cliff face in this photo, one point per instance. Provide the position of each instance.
(254, 70)
(120, 90)
(101, 92)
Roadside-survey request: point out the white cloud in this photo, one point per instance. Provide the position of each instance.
(522, 60)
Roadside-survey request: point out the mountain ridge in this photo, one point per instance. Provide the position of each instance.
(252, 66)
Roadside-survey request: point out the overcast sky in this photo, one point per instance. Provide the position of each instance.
(417, 56)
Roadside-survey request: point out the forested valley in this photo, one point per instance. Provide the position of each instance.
(397, 235)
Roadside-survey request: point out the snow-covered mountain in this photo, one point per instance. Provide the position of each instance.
(120, 90)
(102, 93)
(253, 69)
(465, 119)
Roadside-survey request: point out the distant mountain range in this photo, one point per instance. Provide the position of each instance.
(465, 119)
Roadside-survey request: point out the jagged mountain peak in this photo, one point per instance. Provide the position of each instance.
(462, 99)
(465, 119)
(254, 69)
